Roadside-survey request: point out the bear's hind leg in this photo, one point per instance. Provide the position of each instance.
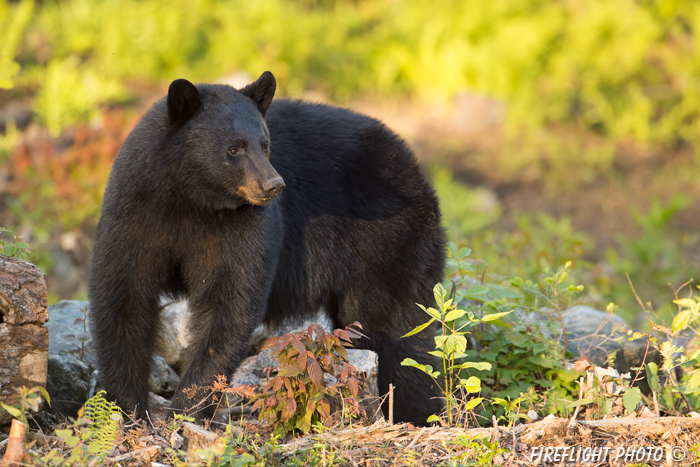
(384, 320)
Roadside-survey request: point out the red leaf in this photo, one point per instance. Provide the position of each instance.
(354, 388)
(289, 409)
(279, 381)
(582, 365)
(315, 372)
(343, 334)
(296, 342)
(288, 385)
(320, 332)
(269, 343)
(301, 361)
(324, 409)
(285, 340)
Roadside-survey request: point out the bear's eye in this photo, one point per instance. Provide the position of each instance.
(264, 145)
(233, 150)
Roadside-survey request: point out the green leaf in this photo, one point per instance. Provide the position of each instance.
(472, 384)
(433, 313)
(433, 418)
(682, 320)
(419, 328)
(14, 411)
(289, 370)
(574, 404)
(455, 343)
(45, 393)
(437, 353)
(454, 314)
(440, 293)
(495, 316)
(427, 369)
(463, 253)
(652, 371)
(686, 303)
(483, 366)
(477, 292)
(473, 403)
(694, 381)
(631, 398)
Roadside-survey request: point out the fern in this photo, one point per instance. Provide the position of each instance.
(104, 421)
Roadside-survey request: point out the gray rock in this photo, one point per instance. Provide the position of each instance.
(174, 332)
(68, 384)
(596, 334)
(66, 328)
(163, 379)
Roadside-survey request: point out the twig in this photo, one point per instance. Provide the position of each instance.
(412, 443)
(137, 453)
(656, 404)
(391, 404)
(572, 422)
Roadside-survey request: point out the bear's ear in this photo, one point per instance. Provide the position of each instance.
(183, 101)
(261, 91)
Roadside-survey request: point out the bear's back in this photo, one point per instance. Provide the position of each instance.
(338, 160)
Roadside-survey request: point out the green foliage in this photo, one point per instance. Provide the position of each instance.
(70, 95)
(297, 397)
(603, 66)
(91, 436)
(13, 21)
(464, 210)
(30, 399)
(20, 249)
(479, 451)
(520, 346)
(656, 257)
(451, 345)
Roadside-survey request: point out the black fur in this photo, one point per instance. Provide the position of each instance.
(189, 212)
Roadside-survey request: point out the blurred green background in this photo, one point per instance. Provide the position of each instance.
(553, 130)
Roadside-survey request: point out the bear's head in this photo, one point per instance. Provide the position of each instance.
(223, 142)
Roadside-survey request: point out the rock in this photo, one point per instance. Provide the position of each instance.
(68, 384)
(66, 327)
(163, 379)
(596, 334)
(24, 342)
(157, 406)
(174, 333)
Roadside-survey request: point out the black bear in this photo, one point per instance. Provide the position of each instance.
(257, 210)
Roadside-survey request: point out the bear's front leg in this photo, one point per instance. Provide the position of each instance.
(226, 305)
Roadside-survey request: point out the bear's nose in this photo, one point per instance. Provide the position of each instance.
(273, 187)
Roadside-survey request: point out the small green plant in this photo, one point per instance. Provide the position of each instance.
(20, 249)
(84, 337)
(296, 398)
(480, 451)
(451, 345)
(29, 400)
(91, 436)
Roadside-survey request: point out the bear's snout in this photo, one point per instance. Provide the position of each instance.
(273, 187)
